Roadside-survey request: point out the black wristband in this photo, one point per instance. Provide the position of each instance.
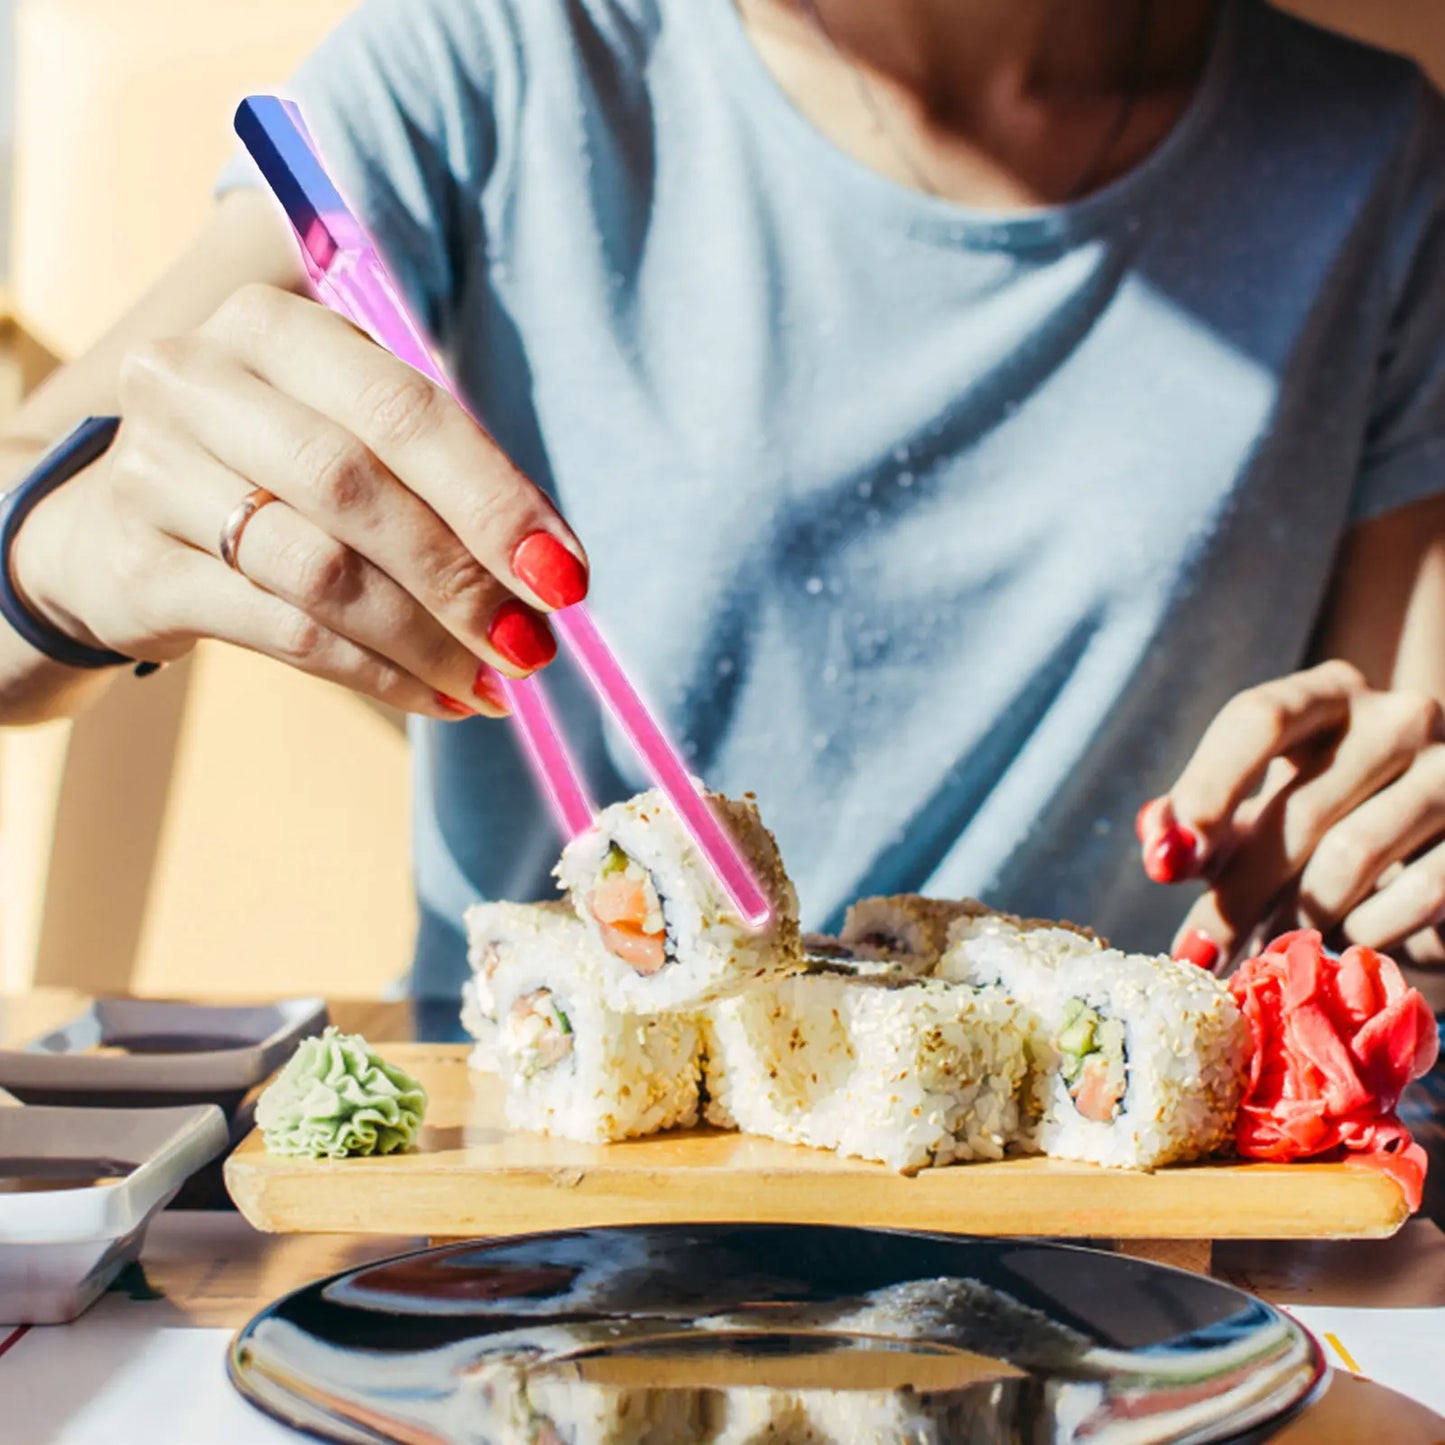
(90, 440)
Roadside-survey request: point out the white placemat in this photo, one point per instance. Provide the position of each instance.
(1402, 1349)
(106, 1382)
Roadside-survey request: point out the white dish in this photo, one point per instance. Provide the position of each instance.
(142, 1052)
(63, 1236)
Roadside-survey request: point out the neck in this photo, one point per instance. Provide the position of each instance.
(999, 103)
(1063, 49)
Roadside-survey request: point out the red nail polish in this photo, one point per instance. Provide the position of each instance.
(1172, 856)
(489, 689)
(522, 637)
(1199, 948)
(549, 569)
(1143, 818)
(453, 706)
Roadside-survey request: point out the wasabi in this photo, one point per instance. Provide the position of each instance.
(336, 1099)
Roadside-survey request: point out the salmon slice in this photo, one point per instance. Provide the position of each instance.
(646, 952)
(1098, 1094)
(619, 899)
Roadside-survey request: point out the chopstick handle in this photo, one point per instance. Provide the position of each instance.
(663, 762)
(349, 277)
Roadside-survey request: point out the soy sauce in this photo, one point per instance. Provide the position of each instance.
(42, 1176)
(172, 1043)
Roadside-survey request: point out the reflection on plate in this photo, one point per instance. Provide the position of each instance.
(668, 1335)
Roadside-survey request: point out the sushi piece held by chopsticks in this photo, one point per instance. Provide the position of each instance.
(668, 935)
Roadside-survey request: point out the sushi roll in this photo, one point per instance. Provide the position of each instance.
(908, 925)
(481, 1028)
(500, 931)
(670, 935)
(1138, 1061)
(909, 1074)
(825, 954)
(998, 949)
(577, 1069)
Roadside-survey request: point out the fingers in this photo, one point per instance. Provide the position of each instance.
(290, 557)
(1354, 857)
(1412, 903)
(202, 594)
(1251, 731)
(284, 553)
(1426, 948)
(244, 427)
(419, 432)
(1381, 738)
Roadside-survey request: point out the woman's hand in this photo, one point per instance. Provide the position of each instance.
(1311, 801)
(405, 557)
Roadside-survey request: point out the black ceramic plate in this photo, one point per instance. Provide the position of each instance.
(669, 1335)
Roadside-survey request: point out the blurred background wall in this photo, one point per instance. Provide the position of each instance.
(7, 122)
(227, 827)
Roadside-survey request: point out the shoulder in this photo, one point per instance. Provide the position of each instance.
(437, 53)
(1331, 122)
(468, 31)
(1303, 71)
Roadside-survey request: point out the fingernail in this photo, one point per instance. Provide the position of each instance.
(1199, 948)
(1173, 855)
(1141, 818)
(489, 689)
(453, 706)
(522, 637)
(549, 569)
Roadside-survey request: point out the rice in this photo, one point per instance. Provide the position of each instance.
(670, 936)
(1137, 1061)
(575, 1068)
(498, 932)
(909, 1074)
(482, 1027)
(996, 948)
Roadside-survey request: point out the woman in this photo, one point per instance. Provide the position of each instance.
(979, 416)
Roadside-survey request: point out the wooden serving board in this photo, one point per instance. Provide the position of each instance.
(472, 1175)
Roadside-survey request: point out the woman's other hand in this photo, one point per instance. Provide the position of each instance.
(404, 556)
(1313, 800)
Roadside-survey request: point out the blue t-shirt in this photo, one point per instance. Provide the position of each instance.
(944, 532)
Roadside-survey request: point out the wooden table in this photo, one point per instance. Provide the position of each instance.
(212, 1271)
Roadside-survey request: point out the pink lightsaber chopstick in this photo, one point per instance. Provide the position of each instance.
(349, 276)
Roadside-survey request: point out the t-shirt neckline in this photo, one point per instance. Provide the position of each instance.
(956, 221)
